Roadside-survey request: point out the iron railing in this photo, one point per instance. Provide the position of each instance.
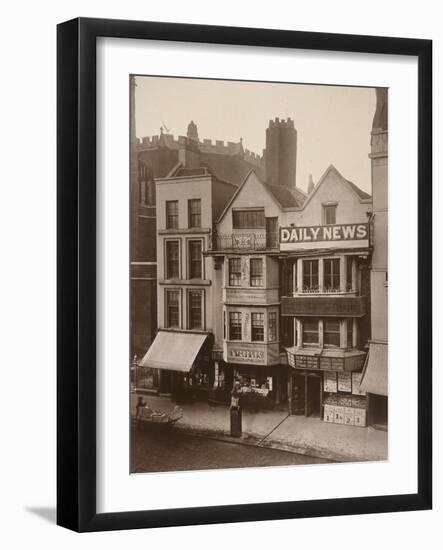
(259, 240)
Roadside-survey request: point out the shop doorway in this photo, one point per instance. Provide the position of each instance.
(313, 389)
(166, 382)
(298, 394)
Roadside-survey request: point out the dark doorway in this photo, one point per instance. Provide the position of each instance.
(298, 394)
(312, 395)
(378, 407)
(166, 381)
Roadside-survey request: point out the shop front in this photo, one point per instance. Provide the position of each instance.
(178, 364)
(261, 387)
(375, 383)
(326, 384)
(305, 393)
(222, 381)
(145, 379)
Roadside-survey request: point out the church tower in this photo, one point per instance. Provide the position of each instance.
(281, 153)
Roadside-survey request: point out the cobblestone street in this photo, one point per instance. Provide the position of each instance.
(163, 451)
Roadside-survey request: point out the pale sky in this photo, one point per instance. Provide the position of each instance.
(333, 122)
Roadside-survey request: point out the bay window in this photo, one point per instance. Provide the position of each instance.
(331, 332)
(310, 275)
(310, 331)
(331, 274)
(256, 271)
(257, 327)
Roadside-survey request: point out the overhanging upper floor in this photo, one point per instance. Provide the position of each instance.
(324, 306)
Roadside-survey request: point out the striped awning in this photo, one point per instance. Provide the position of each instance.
(375, 373)
(173, 351)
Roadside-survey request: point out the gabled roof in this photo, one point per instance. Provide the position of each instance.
(283, 197)
(362, 195)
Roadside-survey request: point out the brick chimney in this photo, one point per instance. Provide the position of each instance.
(188, 152)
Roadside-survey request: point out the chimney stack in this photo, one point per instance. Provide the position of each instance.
(310, 184)
(188, 149)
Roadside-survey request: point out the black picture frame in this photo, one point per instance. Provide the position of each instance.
(76, 265)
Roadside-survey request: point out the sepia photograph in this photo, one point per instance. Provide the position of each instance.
(258, 274)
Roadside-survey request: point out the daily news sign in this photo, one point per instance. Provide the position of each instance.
(348, 235)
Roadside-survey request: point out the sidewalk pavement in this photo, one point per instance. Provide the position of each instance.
(277, 430)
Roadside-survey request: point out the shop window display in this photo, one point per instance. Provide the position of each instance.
(256, 389)
(146, 378)
(198, 378)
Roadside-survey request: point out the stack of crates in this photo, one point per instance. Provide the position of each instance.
(348, 410)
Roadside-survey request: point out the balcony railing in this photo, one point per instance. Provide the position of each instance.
(259, 240)
(325, 290)
(316, 290)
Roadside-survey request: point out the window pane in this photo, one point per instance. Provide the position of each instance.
(143, 185)
(350, 332)
(310, 275)
(272, 326)
(172, 308)
(172, 260)
(256, 272)
(234, 271)
(329, 214)
(195, 259)
(258, 330)
(248, 219)
(235, 326)
(331, 332)
(195, 309)
(331, 274)
(310, 331)
(194, 212)
(171, 214)
(349, 273)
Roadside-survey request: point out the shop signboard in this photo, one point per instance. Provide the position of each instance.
(339, 415)
(259, 296)
(350, 235)
(344, 381)
(328, 415)
(359, 417)
(349, 416)
(246, 355)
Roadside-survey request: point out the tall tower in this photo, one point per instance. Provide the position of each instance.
(281, 153)
(379, 167)
(375, 374)
(192, 131)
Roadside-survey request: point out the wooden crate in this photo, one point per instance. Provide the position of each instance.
(360, 417)
(328, 414)
(349, 416)
(339, 415)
